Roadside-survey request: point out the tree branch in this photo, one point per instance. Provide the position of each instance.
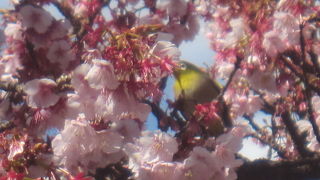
(293, 67)
(288, 170)
(225, 109)
(299, 141)
(307, 87)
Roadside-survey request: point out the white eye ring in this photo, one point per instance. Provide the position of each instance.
(183, 66)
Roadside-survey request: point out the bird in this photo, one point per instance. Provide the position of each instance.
(193, 86)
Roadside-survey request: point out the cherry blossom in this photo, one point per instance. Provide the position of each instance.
(148, 149)
(316, 106)
(201, 164)
(76, 93)
(224, 69)
(14, 31)
(166, 48)
(40, 93)
(35, 18)
(128, 128)
(170, 7)
(288, 27)
(165, 171)
(11, 63)
(272, 45)
(101, 75)
(80, 146)
(16, 148)
(265, 81)
(60, 52)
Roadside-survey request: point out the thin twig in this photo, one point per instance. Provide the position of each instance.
(225, 109)
(236, 67)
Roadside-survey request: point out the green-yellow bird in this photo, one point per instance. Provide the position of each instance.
(193, 86)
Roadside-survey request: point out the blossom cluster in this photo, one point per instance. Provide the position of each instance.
(151, 157)
(75, 93)
(89, 99)
(89, 85)
(265, 47)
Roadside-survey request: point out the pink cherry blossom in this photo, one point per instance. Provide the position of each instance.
(80, 10)
(316, 106)
(273, 44)
(150, 148)
(120, 104)
(128, 128)
(223, 69)
(287, 27)
(60, 52)
(265, 81)
(14, 31)
(184, 32)
(16, 148)
(201, 164)
(160, 171)
(80, 146)
(79, 83)
(201, 7)
(166, 48)
(170, 7)
(101, 75)
(11, 63)
(231, 141)
(245, 104)
(40, 93)
(36, 18)
(238, 33)
(166, 171)
(60, 29)
(97, 78)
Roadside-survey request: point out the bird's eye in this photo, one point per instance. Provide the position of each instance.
(183, 66)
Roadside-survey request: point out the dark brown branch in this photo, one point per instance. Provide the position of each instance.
(114, 171)
(315, 62)
(236, 67)
(289, 170)
(311, 116)
(79, 24)
(269, 141)
(307, 88)
(224, 108)
(67, 13)
(158, 113)
(293, 67)
(299, 141)
(253, 124)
